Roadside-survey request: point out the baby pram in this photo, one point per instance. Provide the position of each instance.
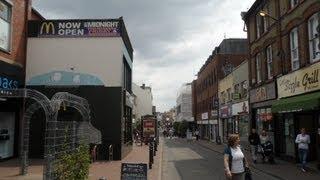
(267, 150)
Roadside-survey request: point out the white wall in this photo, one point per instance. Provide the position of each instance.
(99, 57)
(143, 101)
(184, 101)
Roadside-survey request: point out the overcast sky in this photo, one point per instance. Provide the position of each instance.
(171, 38)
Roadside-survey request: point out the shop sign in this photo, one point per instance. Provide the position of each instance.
(204, 116)
(7, 83)
(79, 28)
(236, 96)
(214, 113)
(299, 82)
(240, 108)
(263, 93)
(225, 111)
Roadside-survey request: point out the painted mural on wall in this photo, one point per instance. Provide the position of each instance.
(64, 78)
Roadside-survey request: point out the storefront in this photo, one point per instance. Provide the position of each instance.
(240, 116)
(261, 100)
(228, 125)
(299, 107)
(11, 77)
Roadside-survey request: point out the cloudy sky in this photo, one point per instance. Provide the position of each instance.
(171, 38)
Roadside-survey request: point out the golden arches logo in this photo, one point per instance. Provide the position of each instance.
(48, 27)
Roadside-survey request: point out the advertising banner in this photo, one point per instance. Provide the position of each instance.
(149, 127)
(78, 28)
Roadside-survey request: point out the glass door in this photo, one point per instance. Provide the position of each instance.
(289, 135)
(7, 123)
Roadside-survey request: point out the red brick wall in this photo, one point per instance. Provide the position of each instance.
(36, 15)
(17, 55)
(204, 98)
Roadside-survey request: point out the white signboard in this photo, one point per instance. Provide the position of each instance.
(204, 116)
(240, 108)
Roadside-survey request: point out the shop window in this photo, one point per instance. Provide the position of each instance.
(314, 50)
(258, 68)
(5, 25)
(269, 62)
(295, 64)
(264, 119)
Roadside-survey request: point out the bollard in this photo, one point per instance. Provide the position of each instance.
(110, 153)
(154, 144)
(150, 155)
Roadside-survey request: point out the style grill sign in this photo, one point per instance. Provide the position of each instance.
(79, 28)
(131, 171)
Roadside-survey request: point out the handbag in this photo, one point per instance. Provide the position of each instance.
(248, 175)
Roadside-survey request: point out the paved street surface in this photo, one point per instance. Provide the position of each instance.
(193, 161)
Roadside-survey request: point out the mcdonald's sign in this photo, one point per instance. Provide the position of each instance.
(47, 28)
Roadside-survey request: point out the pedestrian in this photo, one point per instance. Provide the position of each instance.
(235, 162)
(197, 134)
(254, 141)
(94, 153)
(263, 139)
(303, 141)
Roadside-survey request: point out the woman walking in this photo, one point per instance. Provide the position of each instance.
(263, 139)
(234, 159)
(303, 141)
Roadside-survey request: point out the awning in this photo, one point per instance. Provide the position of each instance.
(297, 103)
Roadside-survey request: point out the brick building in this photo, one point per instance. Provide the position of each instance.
(284, 65)
(229, 54)
(13, 39)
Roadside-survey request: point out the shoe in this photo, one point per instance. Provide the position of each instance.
(303, 170)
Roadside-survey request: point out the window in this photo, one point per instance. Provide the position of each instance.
(258, 68)
(269, 62)
(5, 25)
(222, 97)
(260, 25)
(294, 49)
(244, 89)
(229, 94)
(236, 88)
(293, 3)
(314, 50)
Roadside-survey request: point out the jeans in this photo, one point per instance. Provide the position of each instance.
(303, 153)
(253, 149)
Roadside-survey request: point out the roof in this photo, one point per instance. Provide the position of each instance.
(256, 5)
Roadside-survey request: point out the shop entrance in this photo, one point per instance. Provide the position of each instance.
(308, 121)
(7, 134)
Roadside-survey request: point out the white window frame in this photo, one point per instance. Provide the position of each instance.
(294, 49)
(258, 68)
(294, 3)
(314, 51)
(8, 21)
(269, 57)
(258, 25)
